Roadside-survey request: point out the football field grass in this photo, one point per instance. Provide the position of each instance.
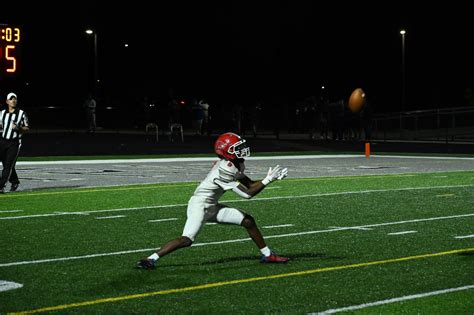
(399, 243)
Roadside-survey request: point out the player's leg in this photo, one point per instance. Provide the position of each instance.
(14, 176)
(173, 245)
(237, 217)
(5, 174)
(250, 225)
(8, 161)
(15, 182)
(94, 123)
(194, 222)
(191, 229)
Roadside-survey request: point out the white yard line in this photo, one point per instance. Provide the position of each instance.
(91, 211)
(371, 225)
(355, 228)
(10, 211)
(363, 192)
(162, 220)
(9, 285)
(464, 236)
(258, 158)
(276, 226)
(445, 195)
(240, 200)
(111, 217)
(395, 300)
(41, 261)
(402, 233)
(30, 262)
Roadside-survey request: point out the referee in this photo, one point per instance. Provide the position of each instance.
(13, 123)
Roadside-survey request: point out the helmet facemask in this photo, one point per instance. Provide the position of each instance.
(240, 149)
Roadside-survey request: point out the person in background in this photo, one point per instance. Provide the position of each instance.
(198, 116)
(205, 128)
(90, 105)
(254, 115)
(13, 123)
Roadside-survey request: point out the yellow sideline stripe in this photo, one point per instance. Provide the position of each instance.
(239, 281)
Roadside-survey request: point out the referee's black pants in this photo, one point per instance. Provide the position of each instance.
(9, 150)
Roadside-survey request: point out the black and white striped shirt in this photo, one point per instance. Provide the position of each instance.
(6, 123)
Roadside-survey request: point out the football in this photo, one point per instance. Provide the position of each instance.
(356, 100)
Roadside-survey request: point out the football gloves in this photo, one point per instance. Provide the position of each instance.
(283, 173)
(275, 173)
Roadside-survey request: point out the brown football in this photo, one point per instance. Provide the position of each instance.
(356, 100)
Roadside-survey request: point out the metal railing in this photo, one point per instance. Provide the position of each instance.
(443, 124)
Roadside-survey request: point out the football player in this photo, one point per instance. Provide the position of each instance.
(226, 174)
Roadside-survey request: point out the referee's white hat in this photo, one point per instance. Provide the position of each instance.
(11, 95)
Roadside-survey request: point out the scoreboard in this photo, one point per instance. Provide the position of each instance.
(10, 47)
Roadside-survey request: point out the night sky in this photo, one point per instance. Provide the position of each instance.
(240, 51)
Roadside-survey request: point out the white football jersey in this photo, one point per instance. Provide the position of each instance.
(222, 177)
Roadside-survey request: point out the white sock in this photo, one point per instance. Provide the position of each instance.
(265, 251)
(154, 256)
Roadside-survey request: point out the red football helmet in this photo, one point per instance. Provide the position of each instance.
(231, 146)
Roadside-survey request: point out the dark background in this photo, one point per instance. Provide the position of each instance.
(238, 51)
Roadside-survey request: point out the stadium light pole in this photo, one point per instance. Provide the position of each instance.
(404, 91)
(96, 60)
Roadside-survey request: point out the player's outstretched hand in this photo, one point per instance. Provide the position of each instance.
(273, 174)
(283, 173)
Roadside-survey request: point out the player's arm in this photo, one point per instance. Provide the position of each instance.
(20, 129)
(23, 129)
(247, 182)
(248, 192)
(22, 126)
(248, 188)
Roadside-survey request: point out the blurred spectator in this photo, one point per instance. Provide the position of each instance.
(90, 106)
(174, 112)
(206, 126)
(197, 116)
(254, 116)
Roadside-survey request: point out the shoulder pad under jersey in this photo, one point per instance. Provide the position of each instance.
(227, 171)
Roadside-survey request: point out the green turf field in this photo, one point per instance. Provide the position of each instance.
(352, 241)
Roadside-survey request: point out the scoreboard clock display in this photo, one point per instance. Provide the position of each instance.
(10, 44)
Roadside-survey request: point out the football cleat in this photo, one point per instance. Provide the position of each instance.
(274, 258)
(14, 187)
(146, 263)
